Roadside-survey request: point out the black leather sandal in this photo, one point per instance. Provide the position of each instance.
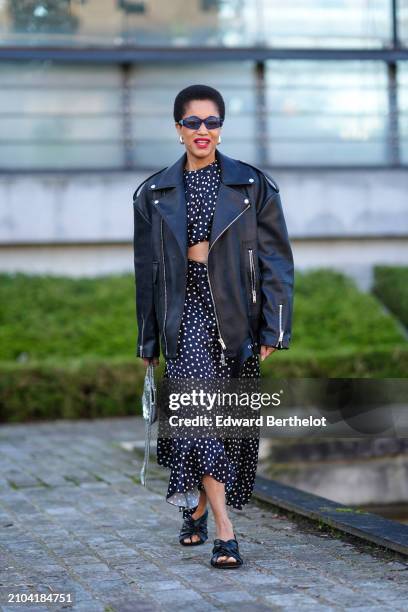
(226, 548)
(192, 527)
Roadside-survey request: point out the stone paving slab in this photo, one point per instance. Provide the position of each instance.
(74, 519)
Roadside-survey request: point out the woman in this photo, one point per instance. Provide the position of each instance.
(214, 283)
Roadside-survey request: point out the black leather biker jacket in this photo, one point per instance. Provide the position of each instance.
(250, 263)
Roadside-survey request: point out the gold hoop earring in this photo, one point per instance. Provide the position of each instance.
(219, 139)
(181, 140)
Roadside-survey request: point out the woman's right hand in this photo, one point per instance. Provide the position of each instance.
(154, 360)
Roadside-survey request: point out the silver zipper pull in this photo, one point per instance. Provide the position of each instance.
(222, 350)
(221, 341)
(252, 270)
(281, 332)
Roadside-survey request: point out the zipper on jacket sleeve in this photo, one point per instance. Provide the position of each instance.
(165, 290)
(279, 344)
(252, 270)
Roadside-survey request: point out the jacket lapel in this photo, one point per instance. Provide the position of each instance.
(229, 205)
(172, 205)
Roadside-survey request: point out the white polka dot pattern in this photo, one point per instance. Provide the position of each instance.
(232, 461)
(201, 189)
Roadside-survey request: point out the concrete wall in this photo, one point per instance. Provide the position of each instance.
(82, 224)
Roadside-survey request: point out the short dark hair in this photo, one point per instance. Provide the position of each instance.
(197, 92)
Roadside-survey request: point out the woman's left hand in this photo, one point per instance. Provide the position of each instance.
(266, 351)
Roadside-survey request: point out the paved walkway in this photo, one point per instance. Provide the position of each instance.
(74, 520)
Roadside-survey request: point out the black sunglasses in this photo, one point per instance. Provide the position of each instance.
(194, 123)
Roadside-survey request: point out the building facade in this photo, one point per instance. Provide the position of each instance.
(316, 94)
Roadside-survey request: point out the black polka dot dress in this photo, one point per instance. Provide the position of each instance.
(232, 461)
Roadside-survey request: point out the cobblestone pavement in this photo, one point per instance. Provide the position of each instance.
(74, 520)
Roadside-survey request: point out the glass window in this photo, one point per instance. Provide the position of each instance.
(295, 23)
(307, 23)
(403, 109)
(106, 22)
(59, 116)
(402, 14)
(326, 113)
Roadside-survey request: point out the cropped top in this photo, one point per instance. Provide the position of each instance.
(201, 189)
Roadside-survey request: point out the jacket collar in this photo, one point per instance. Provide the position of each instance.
(230, 203)
(233, 172)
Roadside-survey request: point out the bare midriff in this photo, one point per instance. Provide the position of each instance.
(199, 251)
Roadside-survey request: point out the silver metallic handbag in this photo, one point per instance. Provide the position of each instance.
(149, 415)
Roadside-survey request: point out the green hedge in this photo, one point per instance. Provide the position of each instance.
(376, 362)
(67, 346)
(85, 388)
(391, 287)
(43, 317)
(92, 388)
(51, 316)
(330, 313)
